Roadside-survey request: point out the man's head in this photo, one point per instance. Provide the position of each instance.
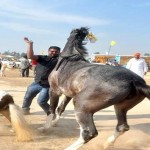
(53, 51)
(137, 55)
(25, 56)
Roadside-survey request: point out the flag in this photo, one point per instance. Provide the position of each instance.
(43, 52)
(113, 43)
(92, 38)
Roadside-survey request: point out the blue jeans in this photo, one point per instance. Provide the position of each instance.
(32, 91)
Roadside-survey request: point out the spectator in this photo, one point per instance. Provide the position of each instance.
(24, 66)
(0, 64)
(45, 64)
(137, 65)
(115, 63)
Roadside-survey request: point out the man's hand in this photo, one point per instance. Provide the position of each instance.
(27, 40)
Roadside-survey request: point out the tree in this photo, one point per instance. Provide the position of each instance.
(97, 53)
(13, 53)
(147, 54)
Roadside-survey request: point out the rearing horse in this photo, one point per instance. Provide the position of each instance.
(93, 87)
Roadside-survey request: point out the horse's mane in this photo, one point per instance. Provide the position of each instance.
(74, 48)
(78, 40)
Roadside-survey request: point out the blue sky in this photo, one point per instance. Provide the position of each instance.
(49, 22)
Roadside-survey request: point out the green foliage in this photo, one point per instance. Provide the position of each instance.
(96, 52)
(15, 54)
(147, 54)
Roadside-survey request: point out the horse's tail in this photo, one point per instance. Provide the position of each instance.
(143, 89)
(21, 127)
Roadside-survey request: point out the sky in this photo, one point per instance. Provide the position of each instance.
(49, 22)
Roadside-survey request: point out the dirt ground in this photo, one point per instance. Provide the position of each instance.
(67, 130)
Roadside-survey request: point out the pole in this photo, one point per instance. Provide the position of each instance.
(108, 53)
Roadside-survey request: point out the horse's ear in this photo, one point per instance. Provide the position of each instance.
(85, 30)
(74, 31)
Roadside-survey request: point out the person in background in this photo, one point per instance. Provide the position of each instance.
(115, 63)
(137, 65)
(45, 64)
(24, 66)
(0, 64)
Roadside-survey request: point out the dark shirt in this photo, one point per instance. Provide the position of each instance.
(45, 65)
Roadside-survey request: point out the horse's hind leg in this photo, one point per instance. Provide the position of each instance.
(121, 127)
(121, 112)
(87, 129)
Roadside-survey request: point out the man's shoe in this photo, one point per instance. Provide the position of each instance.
(25, 112)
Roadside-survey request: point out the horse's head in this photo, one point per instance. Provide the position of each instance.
(5, 100)
(79, 34)
(75, 46)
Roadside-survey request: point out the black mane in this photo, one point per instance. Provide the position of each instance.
(74, 48)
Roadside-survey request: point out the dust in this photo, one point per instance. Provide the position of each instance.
(22, 128)
(137, 140)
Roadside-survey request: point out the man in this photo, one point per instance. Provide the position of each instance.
(45, 64)
(0, 64)
(137, 65)
(24, 66)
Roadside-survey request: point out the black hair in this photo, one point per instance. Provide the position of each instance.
(25, 56)
(54, 47)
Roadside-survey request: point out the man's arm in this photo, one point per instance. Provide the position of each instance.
(30, 53)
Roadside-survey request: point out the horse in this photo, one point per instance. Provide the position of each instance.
(14, 114)
(92, 87)
(4, 66)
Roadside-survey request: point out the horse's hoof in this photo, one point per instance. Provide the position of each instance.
(107, 145)
(12, 130)
(54, 124)
(42, 129)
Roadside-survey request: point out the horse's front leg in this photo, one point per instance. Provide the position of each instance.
(61, 108)
(84, 117)
(54, 99)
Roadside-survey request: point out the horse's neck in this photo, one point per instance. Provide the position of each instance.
(69, 49)
(4, 66)
(60, 61)
(67, 65)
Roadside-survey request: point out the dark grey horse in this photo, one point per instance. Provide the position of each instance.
(92, 87)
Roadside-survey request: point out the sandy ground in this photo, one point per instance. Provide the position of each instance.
(67, 130)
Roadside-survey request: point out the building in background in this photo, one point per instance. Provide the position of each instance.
(121, 59)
